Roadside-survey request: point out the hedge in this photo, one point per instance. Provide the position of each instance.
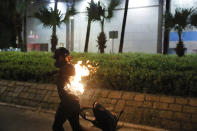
(32, 66)
(150, 73)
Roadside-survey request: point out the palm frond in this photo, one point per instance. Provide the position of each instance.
(71, 12)
(21, 5)
(49, 17)
(101, 9)
(181, 17)
(180, 20)
(56, 18)
(113, 4)
(93, 11)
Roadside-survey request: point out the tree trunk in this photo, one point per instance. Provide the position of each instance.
(123, 26)
(180, 37)
(102, 25)
(54, 37)
(166, 32)
(102, 38)
(87, 36)
(54, 41)
(18, 29)
(19, 35)
(12, 9)
(24, 48)
(160, 25)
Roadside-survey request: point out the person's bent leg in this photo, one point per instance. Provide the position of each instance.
(74, 122)
(60, 118)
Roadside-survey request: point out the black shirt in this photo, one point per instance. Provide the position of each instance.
(65, 72)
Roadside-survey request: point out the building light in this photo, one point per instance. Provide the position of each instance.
(72, 17)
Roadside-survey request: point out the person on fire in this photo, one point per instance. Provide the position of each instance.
(69, 107)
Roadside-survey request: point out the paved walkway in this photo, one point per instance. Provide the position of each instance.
(15, 119)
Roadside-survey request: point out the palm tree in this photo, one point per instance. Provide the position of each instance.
(123, 26)
(102, 37)
(93, 15)
(179, 22)
(54, 39)
(50, 18)
(21, 17)
(166, 32)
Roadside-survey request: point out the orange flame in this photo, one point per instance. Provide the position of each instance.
(75, 85)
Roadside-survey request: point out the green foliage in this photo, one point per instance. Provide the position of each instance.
(49, 17)
(178, 21)
(93, 11)
(112, 5)
(101, 39)
(169, 74)
(21, 5)
(181, 17)
(34, 66)
(70, 12)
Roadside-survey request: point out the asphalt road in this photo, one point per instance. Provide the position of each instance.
(15, 119)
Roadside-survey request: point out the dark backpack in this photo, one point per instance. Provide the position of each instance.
(104, 119)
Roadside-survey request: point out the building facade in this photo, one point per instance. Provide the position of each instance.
(142, 33)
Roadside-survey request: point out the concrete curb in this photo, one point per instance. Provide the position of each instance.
(125, 124)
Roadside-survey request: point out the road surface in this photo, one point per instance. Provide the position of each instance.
(16, 119)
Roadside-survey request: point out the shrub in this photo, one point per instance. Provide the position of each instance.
(33, 66)
(166, 74)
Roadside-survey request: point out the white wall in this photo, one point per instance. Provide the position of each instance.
(140, 33)
(141, 30)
